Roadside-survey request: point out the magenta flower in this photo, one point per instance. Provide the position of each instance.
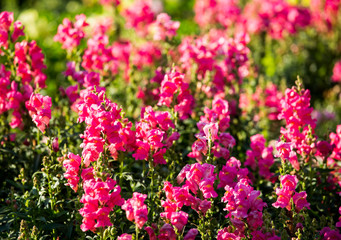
(224, 234)
(167, 233)
(99, 199)
(337, 72)
(142, 151)
(327, 234)
(283, 200)
(139, 16)
(136, 210)
(211, 131)
(179, 219)
(300, 200)
(163, 27)
(70, 34)
(174, 84)
(39, 108)
(287, 192)
(206, 187)
(243, 203)
(289, 182)
(125, 236)
(191, 234)
(72, 165)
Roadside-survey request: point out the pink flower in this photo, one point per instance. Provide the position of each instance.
(17, 31)
(283, 200)
(172, 84)
(99, 199)
(191, 234)
(163, 27)
(289, 182)
(6, 20)
(300, 200)
(125, 236)
(243, 203)
(139, 16)
(287, 192)
(136, 210)
(225, 12)
(151, 233)
(329, 234)
(70, 34)
(224, 234)
(323, 148)
(72, 165)
(39, 108)
(206, 187)
(142, 151)
(337, 72)
(55, 145)
(167, 233)
(231, 173)
(158, 156)
(284, 149)
(179, 219)
(211, 131)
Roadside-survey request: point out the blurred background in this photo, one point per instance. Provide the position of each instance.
(42, 17)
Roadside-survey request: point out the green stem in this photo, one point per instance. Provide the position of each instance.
(121, 170)
(151, 167)
(137, 232)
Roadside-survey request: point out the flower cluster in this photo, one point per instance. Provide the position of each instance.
(16, 86)
(326, 233)
(70, 34)
(286, 151)
(335, 157)
(300, 126)
(39, 108)
(199, 181)
(232, 173)
(86, 81)
(72, 165)
(225, 234)
(166, 232)
(145, 55)
(215, 119)
(267, 99)
(99, 199)
(225, 57)
(243, 202)
(105, 128)
(224, 12)
(325, 14)
(136, 210)
(139, 16)
(288, 197)
(6, 20)
(274, 17)
(99, 56)
(163, 27)
(29, 61)
(152, 139)
(260, 157)
(174, 92)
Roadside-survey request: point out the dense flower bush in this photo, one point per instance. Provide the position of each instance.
(156, 133)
